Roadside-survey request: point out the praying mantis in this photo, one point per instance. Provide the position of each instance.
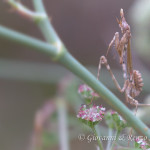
(133, 81)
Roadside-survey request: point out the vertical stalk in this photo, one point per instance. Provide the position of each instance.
(98, 141)
(62, 125)
(116, 139)
(110, 133)
(45, 25)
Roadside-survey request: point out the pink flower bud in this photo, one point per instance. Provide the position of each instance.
(87, 92)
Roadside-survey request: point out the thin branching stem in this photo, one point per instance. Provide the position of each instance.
(28, 41)
(63, 124)
(110, 133)
(98, 140)
(45, 25)
(116, 139)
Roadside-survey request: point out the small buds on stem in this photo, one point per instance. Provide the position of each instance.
(87, 93)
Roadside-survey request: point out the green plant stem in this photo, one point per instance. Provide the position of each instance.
(47, 29)
(24, 11)
(63, 124)
(98, 141)
(28, 41)
(74, 66)
(116, 139)
(45, 25)
(110, 133)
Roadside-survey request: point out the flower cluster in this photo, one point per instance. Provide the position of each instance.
(86, 92)
(91, 115)
(142, 144)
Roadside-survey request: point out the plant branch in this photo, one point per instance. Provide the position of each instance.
(45, 25)
(110, 133)
(114, 142)
(63, 124)
(24, 11)
(98, 141)
(25, 40)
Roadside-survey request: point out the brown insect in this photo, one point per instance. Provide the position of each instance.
(133, 81)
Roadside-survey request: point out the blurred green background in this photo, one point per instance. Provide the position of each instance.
(28, 79)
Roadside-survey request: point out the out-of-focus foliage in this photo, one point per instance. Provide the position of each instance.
(140, 17)
(46, 124)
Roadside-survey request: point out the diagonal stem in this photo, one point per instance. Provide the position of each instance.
(74, 66)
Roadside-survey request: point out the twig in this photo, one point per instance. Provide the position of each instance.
(62, 123)
(98, 141)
